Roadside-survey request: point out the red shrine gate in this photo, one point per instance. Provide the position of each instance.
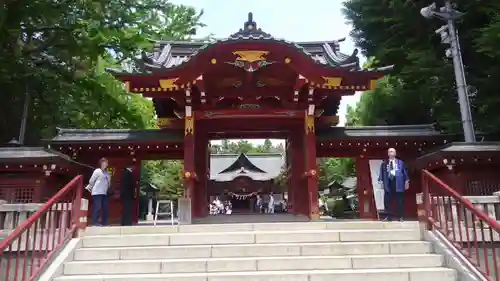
(251, 85)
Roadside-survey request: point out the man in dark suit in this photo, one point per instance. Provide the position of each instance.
(127, 195)
(393, 175)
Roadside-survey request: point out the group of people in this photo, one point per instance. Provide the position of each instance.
(259, 204)
(217, 207)
(393, 176)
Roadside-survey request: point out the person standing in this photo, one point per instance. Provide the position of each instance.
(127, 195)
(393, 176)
(270, 205)
(259, 204)
(99, 189)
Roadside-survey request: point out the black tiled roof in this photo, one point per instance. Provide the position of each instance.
(242, 162)
(472, 147)
(39, 154)
(170, 54)
(176, 135)
(116, 135)
(371, 132)
(459, 149)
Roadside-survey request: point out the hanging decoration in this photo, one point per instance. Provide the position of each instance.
(242, 196)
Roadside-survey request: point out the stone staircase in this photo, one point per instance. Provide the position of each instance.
(309, 251)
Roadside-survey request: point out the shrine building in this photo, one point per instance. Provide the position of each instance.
(238, 178)
(250, 85)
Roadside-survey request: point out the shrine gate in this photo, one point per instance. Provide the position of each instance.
(251, 85)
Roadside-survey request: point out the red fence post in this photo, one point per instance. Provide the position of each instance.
(426, 200)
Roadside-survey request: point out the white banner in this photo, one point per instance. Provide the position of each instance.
(378, 190)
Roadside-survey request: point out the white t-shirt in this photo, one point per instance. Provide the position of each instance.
(271, 200)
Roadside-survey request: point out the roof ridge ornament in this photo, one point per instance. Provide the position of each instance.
(250, 31)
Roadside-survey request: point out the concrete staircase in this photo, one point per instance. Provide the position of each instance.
(310, 251)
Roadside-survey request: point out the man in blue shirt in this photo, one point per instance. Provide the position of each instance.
(393, 175)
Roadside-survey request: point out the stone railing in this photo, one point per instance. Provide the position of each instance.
(462, 224)
(43, 235)
(489, 204)
(13, 215)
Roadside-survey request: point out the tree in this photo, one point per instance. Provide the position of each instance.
(57, 52)
(166, 175)
(334, 170)
(421, 88)
(244, 146)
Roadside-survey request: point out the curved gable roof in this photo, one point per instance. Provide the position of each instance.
(242, 163)
(169, 55)
(225, 167)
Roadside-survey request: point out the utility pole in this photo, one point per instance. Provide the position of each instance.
(449, 35)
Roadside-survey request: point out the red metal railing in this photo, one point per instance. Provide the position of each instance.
(32, 245)
(470, 230)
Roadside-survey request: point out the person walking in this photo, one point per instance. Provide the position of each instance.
(259, 204)
(393, 176)
(99, 188)
(270, 205)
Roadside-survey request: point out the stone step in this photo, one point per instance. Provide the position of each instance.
(253, 250)
(251, 264)
(403, 274)
(197, 228)
(257, 237)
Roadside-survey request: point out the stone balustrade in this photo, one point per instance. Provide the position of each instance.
(461, 223)
(13, 215)
(45, 233)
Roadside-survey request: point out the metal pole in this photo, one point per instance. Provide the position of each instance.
(463, 97)
(24, 120)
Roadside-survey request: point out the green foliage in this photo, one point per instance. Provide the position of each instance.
(421, 88)
(166, 175)
(282, 179)
(57, 51)
(244, 146)
(335, 170)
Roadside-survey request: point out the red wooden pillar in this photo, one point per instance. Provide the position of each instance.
(199, 197)
(288, 161)
(136, 172)
(298, 190)
(206, 176)
(189, 156)
(367, 208)
(311, 173)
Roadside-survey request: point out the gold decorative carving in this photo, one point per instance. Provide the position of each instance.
(331, 82)
(213, 61)
(188, 125)
(373, 84)
(288, 60)
(251, 56)
(309, 128)
(163, 122)
(168, 83)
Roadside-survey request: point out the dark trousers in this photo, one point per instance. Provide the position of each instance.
(100, 203)
(127, 212)
(390, 196)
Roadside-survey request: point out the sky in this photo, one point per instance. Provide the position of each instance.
(293, 20)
